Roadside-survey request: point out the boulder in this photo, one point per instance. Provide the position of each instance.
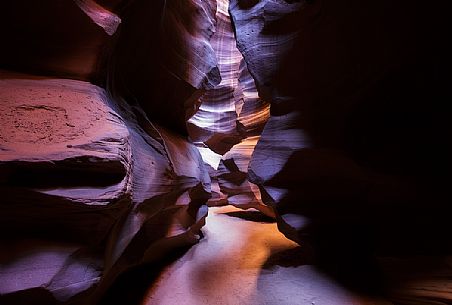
(90, 184)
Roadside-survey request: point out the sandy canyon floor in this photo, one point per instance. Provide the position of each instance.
(244, 259)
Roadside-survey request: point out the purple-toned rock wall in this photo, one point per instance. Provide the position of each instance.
(92, 185)
(331, 116)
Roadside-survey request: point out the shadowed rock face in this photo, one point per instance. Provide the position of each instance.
(358, 132)
(165, 45)
(55, 37)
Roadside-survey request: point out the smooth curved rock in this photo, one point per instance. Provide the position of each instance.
(163, 59)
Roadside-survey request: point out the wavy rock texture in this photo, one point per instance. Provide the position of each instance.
(165, 45)
(215, 122)
(353, 160)
(354, 155)
(94, 190)
(230, 111)
(229, 121)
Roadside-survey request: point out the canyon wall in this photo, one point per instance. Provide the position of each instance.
(357, 146)
(92, 182)
(329, 116)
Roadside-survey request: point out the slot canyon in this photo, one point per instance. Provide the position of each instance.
(231, 152)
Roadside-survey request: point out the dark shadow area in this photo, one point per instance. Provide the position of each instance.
(348, 258)
(294, 257)
(430, 276)
(87, 172)
(255, 216)
(53, 217)
(131, 286)
(51, 38)
(35, 296)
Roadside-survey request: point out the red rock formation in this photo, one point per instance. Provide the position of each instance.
(99, 190)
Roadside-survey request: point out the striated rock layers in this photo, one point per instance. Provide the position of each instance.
(357, 146)
(230, 111)
(229, 120)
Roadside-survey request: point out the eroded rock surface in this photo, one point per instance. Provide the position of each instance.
(229, 120)
(354, 158)
(90, 184)
(88, 180)
(230, 111)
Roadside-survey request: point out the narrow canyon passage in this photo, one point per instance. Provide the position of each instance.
(229, 121)
(243, 258)
(231, 152)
